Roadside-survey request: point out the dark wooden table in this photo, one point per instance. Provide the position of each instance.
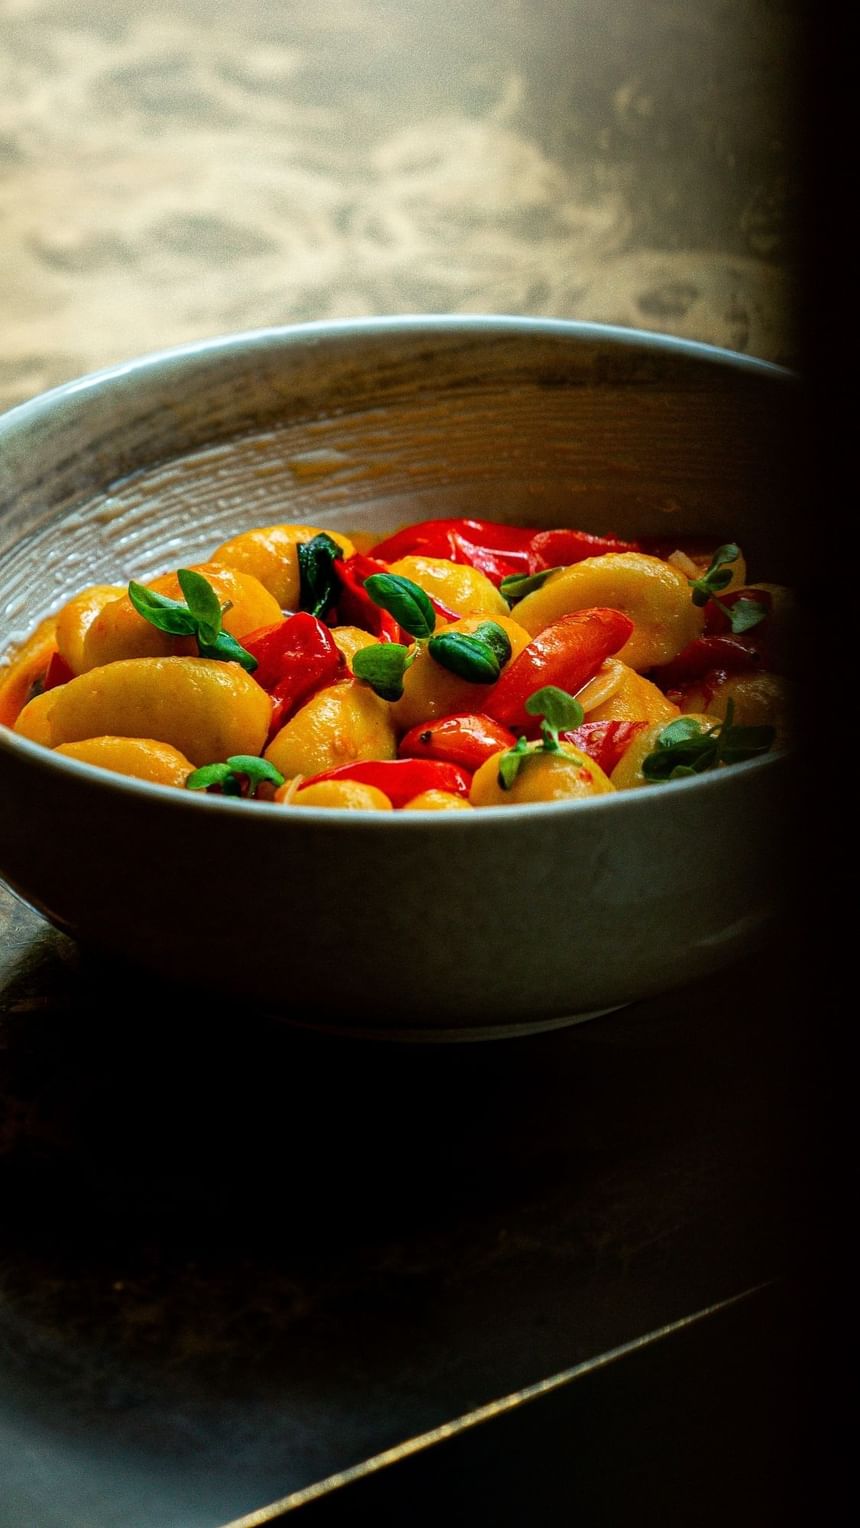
(237, 1258)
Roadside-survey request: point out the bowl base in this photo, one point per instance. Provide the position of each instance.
(457, 1034)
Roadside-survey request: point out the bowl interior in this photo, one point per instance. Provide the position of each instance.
(368, 426)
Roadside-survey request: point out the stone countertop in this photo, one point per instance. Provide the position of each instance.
(172, 172)
(230, 1262)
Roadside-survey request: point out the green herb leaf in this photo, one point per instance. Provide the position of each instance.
(745, 613)
(382, 666)
(408, 603)
(200, 617)
(718, 576)
(496, 638)
(200, 598)
(511, 763)
(561, 711)
(209, 774)
(166, 615)
(227, 649)
(687, 747)
(466, 656)
(318, 580)
(517, 585)
(240, 775)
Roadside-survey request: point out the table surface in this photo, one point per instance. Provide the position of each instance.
(232, 1262)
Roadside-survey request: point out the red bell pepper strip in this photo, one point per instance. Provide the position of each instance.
(496, 550)
(400, 779)
(355, 608)
(57, 672)
(732, 653)
(558, 549)
(466, 739)
(566, 653)
(604, 742)
(295, 658)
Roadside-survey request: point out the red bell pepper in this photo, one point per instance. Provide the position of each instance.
(558, 549)
(295, 658)
(566, 653)
(355, 608)
(400, 779)
(726, 651)
(496, 550)
(466, 739)
(604, 742)
(57, 672)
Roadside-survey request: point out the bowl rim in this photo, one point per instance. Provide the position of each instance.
(29, 413)
(285, 335)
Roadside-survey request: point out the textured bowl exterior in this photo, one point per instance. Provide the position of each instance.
(507, 916)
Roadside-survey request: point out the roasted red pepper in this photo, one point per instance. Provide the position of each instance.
(496, 550)
(295, 658)
(604, 742)
(566, 653)
(400, 779)
(355, 608)
(468, 739)
(728, 652)
(558, 549)
(57, 672)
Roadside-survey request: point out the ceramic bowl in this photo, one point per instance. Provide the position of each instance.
(511, 917)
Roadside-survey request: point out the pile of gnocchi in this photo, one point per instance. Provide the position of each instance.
(454, 665)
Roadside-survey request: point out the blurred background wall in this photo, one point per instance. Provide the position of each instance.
(174, 171)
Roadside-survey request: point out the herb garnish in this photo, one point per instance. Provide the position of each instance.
(240, 775)
(560, 712)
(318, 581)
(744, 613)
(687, 747)
(200, 616)
(477, 657)
(517, 585)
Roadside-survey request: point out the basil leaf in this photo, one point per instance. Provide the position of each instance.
(561, 711)
(409, 605)
(517, 585)
(227, 649)
(746, 613)
(718, 575)
(210, 774)
(164, 614)
(200, 598)
(685, 729)
(318, 581)
(255, 771)
(382, 666)
(511, 763)
(466, 656)
(496, 639)
(686, 747)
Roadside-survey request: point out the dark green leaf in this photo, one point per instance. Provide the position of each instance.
(382, 666)
(408, 603)
(200, 598)
(465, 656)
(718, 575)
(517, 585)
(228, 650)
(687, 747)
(165, 614)
(511, 763)
(561, 711)
(496, 638)
(746, 613)
(318, 580)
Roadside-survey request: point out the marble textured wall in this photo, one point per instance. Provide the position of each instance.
(173, 171)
